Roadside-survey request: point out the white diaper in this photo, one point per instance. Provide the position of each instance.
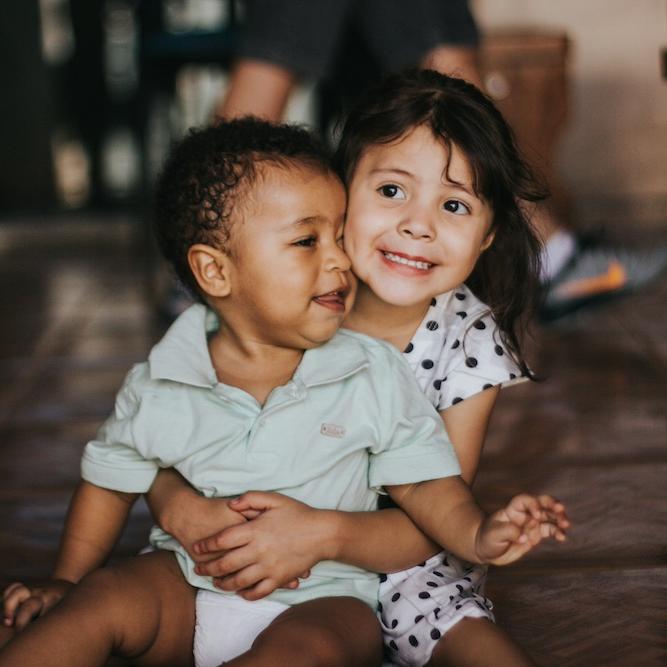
(226, 626)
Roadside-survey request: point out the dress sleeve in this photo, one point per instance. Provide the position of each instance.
(112, 460)
(475, 361)
(413, 444)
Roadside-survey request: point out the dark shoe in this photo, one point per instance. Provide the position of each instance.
(597, 274)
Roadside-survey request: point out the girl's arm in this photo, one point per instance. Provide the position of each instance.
(446, 511)
(466, 424)
(94, 521)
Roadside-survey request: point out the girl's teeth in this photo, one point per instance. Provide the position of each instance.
(408, 262)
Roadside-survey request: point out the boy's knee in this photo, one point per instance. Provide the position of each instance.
(320, 635)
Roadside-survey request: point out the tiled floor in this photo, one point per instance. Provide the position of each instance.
(75, 315)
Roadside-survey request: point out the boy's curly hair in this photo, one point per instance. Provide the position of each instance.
(199, 193)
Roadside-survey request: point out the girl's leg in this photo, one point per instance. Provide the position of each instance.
(476, 642)
(141, 609)
(331, 632)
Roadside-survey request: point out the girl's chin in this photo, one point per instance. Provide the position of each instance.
(401, 298)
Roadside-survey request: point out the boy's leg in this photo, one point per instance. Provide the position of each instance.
(142, 609)
(476, 642)
(336, 632)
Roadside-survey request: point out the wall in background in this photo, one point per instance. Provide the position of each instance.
(613, 155)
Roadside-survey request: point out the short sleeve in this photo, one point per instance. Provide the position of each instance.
(414, 445)
(112, 460)
(476, 360)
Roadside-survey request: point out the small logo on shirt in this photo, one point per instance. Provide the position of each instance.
(332, 430)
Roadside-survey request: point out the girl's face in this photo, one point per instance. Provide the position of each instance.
(415, 226)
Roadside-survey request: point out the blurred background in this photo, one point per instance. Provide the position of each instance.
(94, 90)
(93, 93)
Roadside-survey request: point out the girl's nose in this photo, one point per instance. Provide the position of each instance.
(417, 225)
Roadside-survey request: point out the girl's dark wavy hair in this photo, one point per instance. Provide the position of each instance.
(201, 189)
(457, 113)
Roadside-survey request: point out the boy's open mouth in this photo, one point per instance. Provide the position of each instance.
(406, 260)
(333, 300)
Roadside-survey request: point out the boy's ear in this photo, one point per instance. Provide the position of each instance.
(486, 243)
(211, 269)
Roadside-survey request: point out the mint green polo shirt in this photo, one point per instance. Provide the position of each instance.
(351, 420)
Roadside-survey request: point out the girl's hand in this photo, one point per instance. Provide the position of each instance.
(22, 604)
(272, 550)
(509, 533)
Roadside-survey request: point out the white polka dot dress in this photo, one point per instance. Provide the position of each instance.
(455, 354)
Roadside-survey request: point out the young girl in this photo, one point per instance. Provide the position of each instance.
(447, 265)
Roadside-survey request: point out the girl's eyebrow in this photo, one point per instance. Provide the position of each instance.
(392, 170)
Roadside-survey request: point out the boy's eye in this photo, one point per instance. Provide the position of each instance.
(457, 207)
(391, 191)
(308, 242)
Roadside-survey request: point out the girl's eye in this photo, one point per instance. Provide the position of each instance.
(457, 207)
(391, 191)
(308, 242)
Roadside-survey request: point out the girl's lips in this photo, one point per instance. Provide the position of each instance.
(405, 264)
(333, 300)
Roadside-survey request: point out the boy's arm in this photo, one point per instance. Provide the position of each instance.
(184, 513)
(95, 519)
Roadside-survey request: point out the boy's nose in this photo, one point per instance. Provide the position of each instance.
(337, 260)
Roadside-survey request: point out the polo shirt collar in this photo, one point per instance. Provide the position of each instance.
(341, 357)
(182, 355)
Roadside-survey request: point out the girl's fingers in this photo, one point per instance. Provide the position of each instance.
(229, 538)
(259, 591)
(255, 500)
(243, 579)
(231, 562)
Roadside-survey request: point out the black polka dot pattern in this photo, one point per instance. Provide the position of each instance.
(413, 636)
(457, 351)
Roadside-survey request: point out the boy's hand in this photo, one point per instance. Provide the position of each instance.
(279, 545)
(22, 604)
(509, 533)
